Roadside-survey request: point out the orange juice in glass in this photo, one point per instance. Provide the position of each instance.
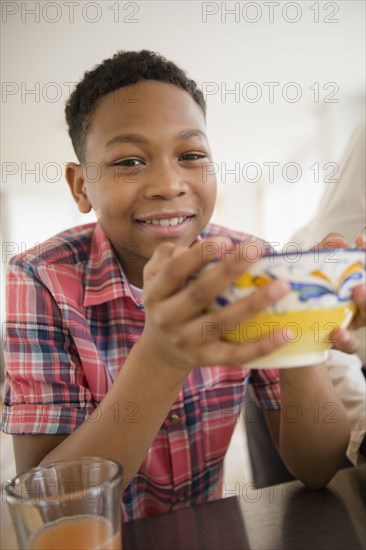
(68, 505)
(77, 533)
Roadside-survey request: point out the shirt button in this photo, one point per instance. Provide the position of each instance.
(174, 418)
(181, 497)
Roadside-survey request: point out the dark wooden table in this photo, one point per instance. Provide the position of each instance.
(281, 517)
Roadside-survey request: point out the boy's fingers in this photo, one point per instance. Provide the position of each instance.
(175, 264)
(216, 352)
(177, 271)
(185, 307)
(162, 254)
(246, 308)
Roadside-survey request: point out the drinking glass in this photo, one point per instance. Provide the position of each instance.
(68, 505)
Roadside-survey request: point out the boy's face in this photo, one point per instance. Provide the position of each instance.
(146, 175)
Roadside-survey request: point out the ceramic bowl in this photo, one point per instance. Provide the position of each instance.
(320, 301)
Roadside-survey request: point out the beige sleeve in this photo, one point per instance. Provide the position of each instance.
(350, 384)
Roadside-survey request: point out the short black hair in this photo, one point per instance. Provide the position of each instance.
(123, 69)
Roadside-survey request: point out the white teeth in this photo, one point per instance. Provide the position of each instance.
(167, 221)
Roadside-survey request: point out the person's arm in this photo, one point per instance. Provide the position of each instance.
(172, 343)
(311, 429)
(29, 450)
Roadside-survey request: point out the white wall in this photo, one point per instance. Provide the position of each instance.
(318, 46)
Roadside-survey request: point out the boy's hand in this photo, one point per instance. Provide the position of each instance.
(178, 329)
(344, 339)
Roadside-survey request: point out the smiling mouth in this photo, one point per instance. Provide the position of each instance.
(165, 222)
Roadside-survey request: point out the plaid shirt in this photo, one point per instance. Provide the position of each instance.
(72, 319)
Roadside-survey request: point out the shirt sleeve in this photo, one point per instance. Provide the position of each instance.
(45, 390)
(266, 385)
(342, 206)
(350, 384)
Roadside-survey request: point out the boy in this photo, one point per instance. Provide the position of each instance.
(95, 367)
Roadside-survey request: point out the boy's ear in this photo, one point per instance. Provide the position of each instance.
(75, 179)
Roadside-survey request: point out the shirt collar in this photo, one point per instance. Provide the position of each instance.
(105, 279)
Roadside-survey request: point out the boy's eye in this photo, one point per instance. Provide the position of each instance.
(192, 156)
(129, 163)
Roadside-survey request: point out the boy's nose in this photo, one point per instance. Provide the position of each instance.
(167, 183)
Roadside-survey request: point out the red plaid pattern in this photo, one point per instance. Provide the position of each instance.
(71, 321)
